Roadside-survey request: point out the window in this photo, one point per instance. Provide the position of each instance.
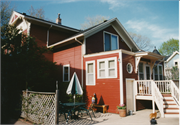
(107, 68)
(158, 72)
(129, 68)
(90, 73)
(141, 71)
(110, 41)
(66, 73)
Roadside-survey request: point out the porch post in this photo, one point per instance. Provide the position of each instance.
(121, 78)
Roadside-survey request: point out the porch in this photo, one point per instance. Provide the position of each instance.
(164, 93)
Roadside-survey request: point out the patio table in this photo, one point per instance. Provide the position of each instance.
(72, 108)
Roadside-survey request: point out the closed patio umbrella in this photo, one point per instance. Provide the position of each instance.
(74, 86)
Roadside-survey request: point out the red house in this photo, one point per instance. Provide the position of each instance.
(107, 62)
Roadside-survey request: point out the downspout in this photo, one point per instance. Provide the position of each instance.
(121, 77)
(48, 35)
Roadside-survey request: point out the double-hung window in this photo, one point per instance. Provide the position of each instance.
(90, 73)
(110, 41)
(66, 73)
(107, 68)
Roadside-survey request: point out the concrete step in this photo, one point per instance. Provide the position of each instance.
(169, 102)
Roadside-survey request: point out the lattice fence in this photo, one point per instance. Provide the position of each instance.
(38, 107)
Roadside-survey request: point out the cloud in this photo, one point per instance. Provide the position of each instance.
(156, 33)
(114, 3)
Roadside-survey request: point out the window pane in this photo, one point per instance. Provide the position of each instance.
(101, 65)
(156, 77)
(147, 73)
(155, 70)
(102, 73)
(90, 68)
(141, 67)
(107, 42)
(160, 70)
(90, 79)
(65, 77)
(114, 45)
(111, 64)
(111, 72)
(65, 69)
(141, 76)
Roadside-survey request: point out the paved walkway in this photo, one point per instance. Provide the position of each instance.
(139, 118)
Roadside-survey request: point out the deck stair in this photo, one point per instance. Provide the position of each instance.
(171, 109)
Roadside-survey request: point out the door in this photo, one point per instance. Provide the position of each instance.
(130, 102)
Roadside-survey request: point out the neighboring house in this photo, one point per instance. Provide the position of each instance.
(169, 63)
(106, 59)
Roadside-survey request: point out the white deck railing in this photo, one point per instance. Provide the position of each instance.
(174, 91)
(144, 87)
(158, 98)
(164, 86)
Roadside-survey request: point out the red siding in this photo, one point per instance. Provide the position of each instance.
(71, 56)
(95, 42)
(40, 35)
(107, 90)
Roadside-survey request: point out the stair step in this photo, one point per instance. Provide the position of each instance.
(169, 102)
(170, 106)
(173, 110)
(166, 95)
(171, 113)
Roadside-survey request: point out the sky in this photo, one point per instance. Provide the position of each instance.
(156, 19)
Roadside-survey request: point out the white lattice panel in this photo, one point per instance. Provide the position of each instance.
(40, 108)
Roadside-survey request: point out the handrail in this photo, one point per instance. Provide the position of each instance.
(158, 97)
(174, 91)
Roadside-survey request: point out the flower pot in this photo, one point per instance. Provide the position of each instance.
(122, 112)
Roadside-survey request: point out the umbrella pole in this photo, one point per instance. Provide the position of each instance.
(74, 98)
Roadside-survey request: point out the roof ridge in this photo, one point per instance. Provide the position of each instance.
(24, 14)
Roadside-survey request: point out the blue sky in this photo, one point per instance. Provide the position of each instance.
(155, 19)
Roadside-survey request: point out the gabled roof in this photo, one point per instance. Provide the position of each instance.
(94, 29)
(174, 53)
(17, 15)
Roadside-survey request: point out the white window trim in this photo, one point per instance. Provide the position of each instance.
(94, 80)
(131, 68)
(106, 67)
(110, 34)
(68, 72)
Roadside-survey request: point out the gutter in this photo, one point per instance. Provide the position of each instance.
(66, 40)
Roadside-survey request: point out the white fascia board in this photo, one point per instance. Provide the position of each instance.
(15, 13)
(127, 34)
(122, 37)
(98, 28)
(101, 53)
(64, 41)
(174, 53)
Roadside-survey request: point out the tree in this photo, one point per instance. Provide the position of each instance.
(168, 47)
(143, 42)
(39, 13)
(92, 21)
(23, 66)
(6, 11)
